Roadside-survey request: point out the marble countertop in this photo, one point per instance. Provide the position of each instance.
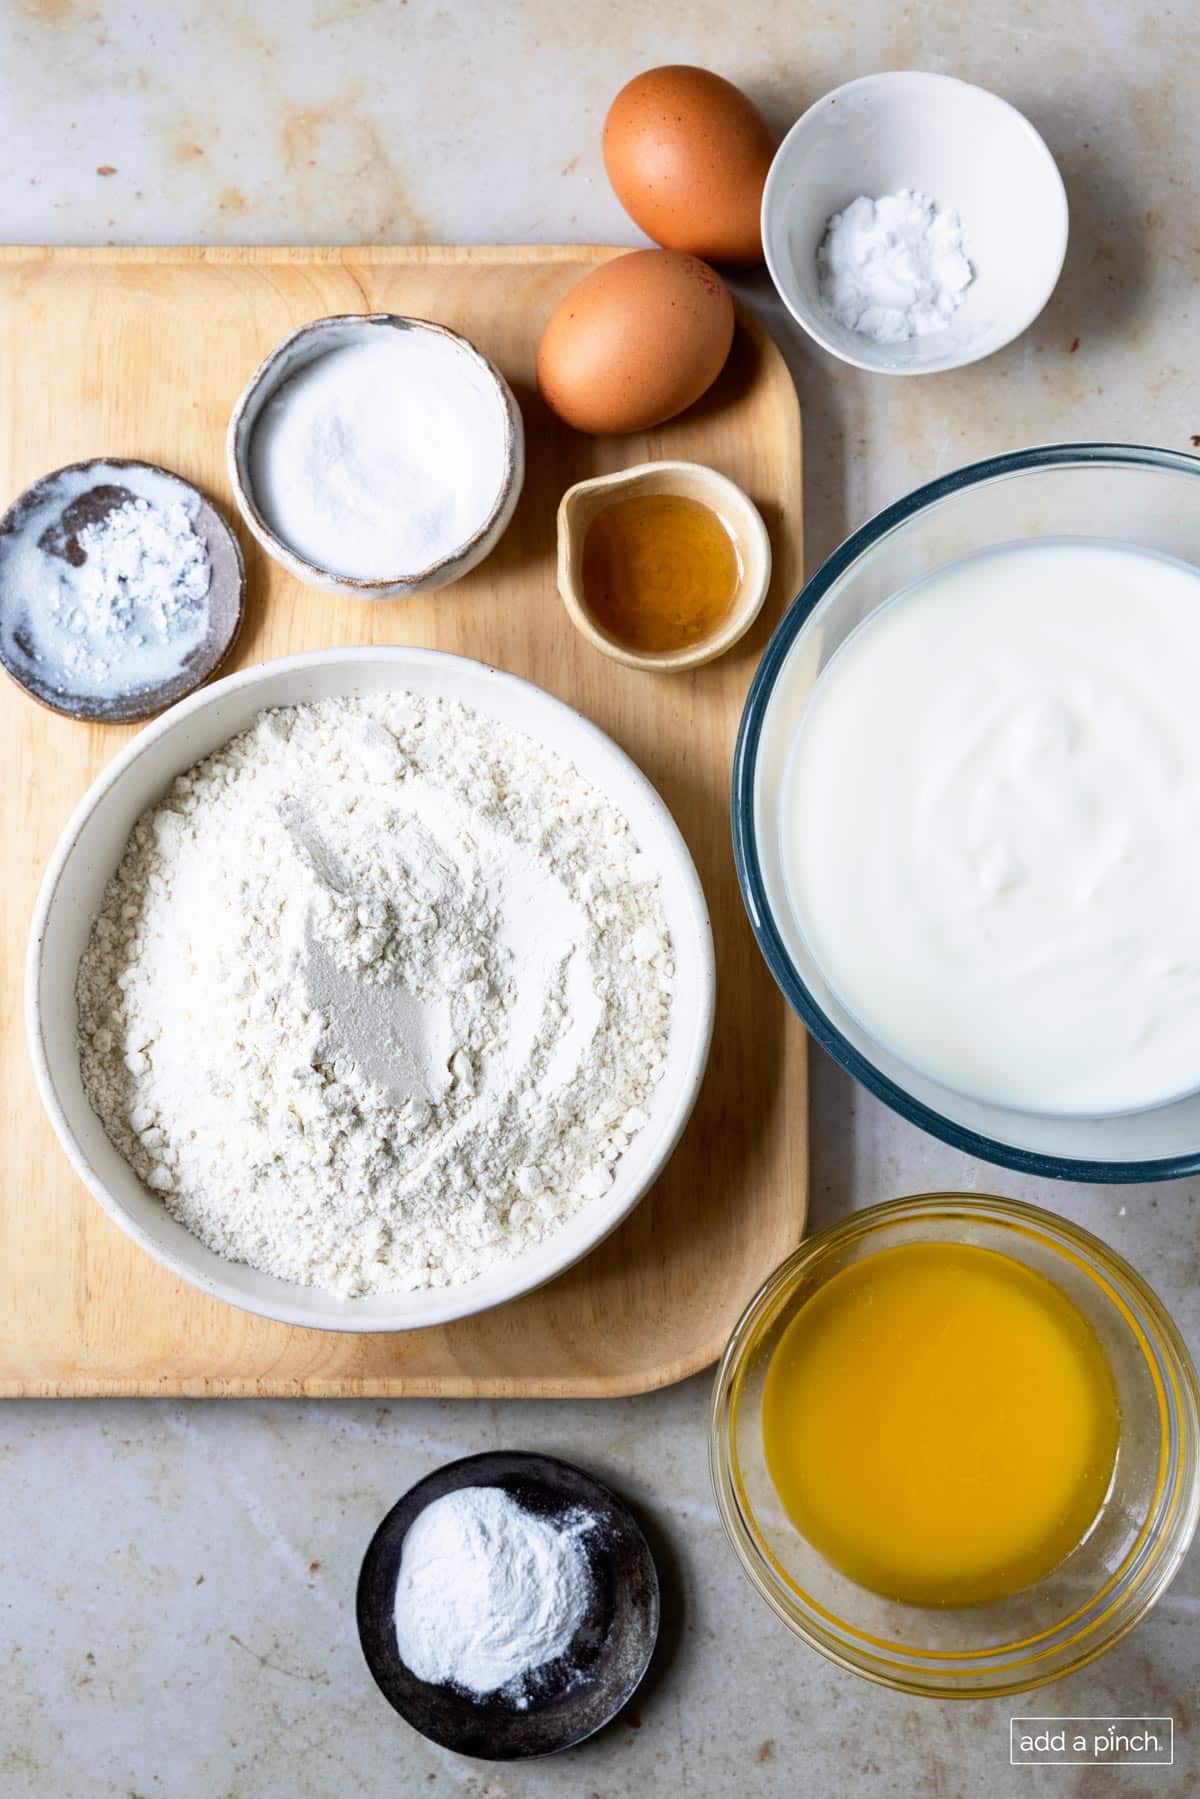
(176, 1580)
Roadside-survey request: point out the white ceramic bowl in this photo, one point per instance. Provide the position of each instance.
(317, 339)
(970, 151)
(88, 853)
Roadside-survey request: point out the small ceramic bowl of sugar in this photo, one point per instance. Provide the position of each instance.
(376, 456)
(913, 223)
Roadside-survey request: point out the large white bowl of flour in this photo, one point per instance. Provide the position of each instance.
(350, 686)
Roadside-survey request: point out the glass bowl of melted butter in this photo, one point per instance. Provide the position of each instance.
(663, 566)
(954, 1445)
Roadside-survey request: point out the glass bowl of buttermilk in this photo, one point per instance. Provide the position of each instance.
(966, 810)
(954, 1445)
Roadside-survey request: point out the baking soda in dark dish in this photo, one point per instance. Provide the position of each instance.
(491, 1597)
(106, 582)
(518, 1619)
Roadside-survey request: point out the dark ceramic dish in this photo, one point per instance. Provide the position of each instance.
(570, 1699)
(226, 594)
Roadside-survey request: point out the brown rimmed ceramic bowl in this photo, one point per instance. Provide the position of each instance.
(287, 359)
(87, 492)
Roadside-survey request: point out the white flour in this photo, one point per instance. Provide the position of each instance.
(378, 995)
(894, 268)
(488, 1593)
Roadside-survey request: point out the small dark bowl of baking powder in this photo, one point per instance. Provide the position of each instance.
(487, 1563)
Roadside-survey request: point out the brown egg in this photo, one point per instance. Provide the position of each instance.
(687, 154)
(635, 342)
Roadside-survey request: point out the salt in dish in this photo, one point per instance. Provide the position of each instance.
(376, 456)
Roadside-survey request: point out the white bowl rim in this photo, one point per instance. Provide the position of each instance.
(876, 365)
(456, 1301)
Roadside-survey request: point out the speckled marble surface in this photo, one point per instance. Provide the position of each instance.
(176, 1581)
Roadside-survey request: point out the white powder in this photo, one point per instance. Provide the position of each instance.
(893, 268)
(378, 994)
(113, 605)
(382, 457)
(488, 1593)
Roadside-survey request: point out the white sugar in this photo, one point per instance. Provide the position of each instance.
(380, 458)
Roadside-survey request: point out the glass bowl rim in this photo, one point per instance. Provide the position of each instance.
(745, 847)
(1103, 1264)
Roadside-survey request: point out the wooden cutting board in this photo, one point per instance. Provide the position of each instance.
(142, 353)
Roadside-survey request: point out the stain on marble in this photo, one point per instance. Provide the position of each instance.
(242, 28)
(318, 1677)
(299, 132)
(49, 11)
(340, 142)
(350, 11)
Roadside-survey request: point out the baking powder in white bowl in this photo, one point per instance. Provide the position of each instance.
(974, 153)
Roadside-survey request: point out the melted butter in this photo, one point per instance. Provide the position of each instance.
(660, 572)
(941, 1423)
